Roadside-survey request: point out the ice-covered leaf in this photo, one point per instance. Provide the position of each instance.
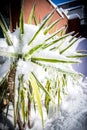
(37, 95)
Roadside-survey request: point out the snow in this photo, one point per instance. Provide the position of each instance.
(4, 68)
(70, 116)
(73, 16)
(73, 102)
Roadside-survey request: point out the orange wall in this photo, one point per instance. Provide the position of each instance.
(43, 7)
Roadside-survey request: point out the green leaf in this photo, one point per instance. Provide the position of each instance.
(47, 98)
(43, 88)
(64, 83)
(77, 55)
(31, 16)
(6, 34)
(81, 51)
(3, 91)
(59, 96)
(57, 40)
(23, 105)
(17, 92)
(64, 80)
(5, 30)
(63, 70)
(16, 105)
(63, 32)
(51, 25)
(41, 26)
(22, 19)
(3, 23)
(53, 60)
(9, 41)
(55, 33)
(35, 20)
(15, 113)
(70, 45)
(37, 95)
(7, 108)
(34, 49)
(70, 40)
(2, 79)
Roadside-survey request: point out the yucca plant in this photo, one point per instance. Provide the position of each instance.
(40, 66)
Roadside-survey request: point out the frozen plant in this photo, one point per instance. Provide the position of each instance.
(40, 71)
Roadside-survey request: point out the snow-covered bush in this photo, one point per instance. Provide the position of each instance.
(42, 64)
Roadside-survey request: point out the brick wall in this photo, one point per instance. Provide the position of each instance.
(43, 7)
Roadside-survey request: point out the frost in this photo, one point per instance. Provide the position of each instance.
(59, 74)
